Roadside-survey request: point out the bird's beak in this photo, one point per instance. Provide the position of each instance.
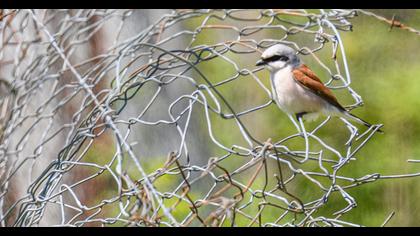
(260, 63)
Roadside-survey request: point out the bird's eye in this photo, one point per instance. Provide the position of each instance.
(283, 58)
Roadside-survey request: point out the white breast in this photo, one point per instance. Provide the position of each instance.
(292, 98)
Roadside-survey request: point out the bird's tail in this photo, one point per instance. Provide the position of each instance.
(359, 120)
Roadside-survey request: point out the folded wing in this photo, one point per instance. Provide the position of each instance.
(307, 78)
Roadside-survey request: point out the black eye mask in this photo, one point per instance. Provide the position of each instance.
(276, 58)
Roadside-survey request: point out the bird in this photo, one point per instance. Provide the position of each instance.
(297, 90)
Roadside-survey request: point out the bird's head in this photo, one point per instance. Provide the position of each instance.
(278, 57)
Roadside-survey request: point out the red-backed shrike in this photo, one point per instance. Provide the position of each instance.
(297, 90)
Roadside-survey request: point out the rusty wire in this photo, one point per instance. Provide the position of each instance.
(66, 95)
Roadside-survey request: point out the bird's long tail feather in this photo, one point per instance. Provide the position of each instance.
(359, 120)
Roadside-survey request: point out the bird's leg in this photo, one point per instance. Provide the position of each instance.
(305, 135)
(290, 116)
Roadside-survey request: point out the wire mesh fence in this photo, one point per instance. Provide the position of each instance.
(129, 118)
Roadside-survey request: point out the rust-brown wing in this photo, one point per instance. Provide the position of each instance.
(307, 78)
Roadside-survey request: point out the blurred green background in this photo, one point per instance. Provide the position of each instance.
(385, 70)
(384, 67)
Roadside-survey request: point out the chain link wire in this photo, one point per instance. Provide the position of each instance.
(112, 117)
